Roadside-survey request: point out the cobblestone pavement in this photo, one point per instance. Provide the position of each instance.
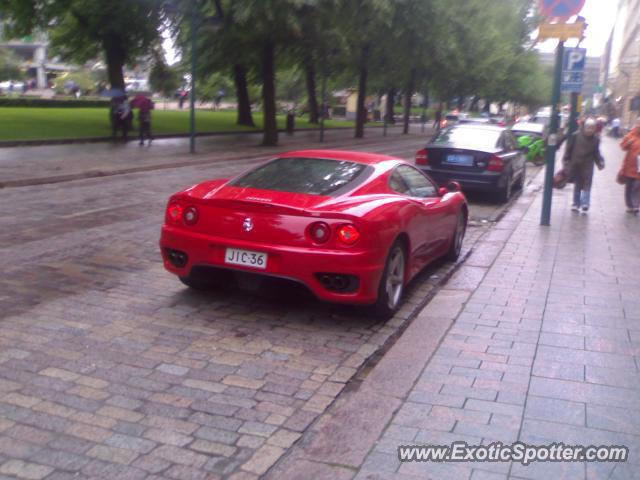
(109, 368)
(544, 348)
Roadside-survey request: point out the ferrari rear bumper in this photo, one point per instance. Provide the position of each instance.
(183, 250)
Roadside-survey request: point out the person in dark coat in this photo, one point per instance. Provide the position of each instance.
(580, 156)
(437, 117)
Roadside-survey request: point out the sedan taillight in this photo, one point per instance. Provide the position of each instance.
(496, 164)
(422, 157)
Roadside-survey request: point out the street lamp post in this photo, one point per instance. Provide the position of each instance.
(214, 22)
(323, 108)
(194, 62)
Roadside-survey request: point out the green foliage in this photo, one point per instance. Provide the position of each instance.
(9, 66)
(164, 78)
(216, 83)
(85, 80)
(81, 29)
(69, 102)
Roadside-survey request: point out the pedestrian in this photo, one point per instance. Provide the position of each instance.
(144, 105)
(629, 174)
(437, 117)
(615, 127)
(581, 154)
(122, 116)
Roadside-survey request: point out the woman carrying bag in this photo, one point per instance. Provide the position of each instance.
(629, 174)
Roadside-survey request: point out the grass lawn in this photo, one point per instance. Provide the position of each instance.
(55, 123)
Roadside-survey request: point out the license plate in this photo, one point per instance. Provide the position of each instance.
(246, 258)
(464, 160)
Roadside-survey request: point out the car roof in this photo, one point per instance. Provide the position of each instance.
(528, 127)
(480, 126)
(346, 155)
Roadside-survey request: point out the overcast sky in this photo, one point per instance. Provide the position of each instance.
(600, 16)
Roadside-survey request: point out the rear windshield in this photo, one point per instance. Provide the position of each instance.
(469, 137)
(313, 176)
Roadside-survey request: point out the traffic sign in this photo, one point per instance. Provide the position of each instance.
(562, 9)
(573, 63)
(561, 31)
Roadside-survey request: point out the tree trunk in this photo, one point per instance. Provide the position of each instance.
(361, 114)
(461, 102)
(408, 93)
(474, 103)
(242, 94)
(311, 90)
(389, 109)
(115, 62)
(487, 105)
(270, 136)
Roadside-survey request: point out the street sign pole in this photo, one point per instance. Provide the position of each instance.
(545, 218)
(573, 116)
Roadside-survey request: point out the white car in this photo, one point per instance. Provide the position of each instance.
(6, 86)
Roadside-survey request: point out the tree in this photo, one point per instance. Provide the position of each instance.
(268, 25)
(163, 78)
(363, 22)
(82, 29)
(9, 66)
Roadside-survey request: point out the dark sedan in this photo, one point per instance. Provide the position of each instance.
(479, 157)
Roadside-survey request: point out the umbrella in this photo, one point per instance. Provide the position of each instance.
(113, 93)
(142, 102)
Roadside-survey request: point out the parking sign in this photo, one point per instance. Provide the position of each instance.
(573, 69)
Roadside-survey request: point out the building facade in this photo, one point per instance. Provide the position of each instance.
(623, 74)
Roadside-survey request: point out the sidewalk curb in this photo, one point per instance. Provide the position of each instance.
(162, 136)
(364, 409)
(26, 182)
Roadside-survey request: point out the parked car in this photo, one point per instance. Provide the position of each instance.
(11, 86)
(531, 137)
(453, 118)
(352, 227)
(479, 157)
(475, 120)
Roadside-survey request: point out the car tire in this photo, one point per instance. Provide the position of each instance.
(457, 240)
(392, 282)
(504, 194)
(197, 282)
(521, 180)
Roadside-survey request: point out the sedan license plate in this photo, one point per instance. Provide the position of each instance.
(463, 160)
(246, 258)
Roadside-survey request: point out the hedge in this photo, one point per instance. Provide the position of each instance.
(70, 102)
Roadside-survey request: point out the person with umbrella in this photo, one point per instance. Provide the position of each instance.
(144, 105)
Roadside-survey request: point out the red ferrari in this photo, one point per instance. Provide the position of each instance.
(352, 227)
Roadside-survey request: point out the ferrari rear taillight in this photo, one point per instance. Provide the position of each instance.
(320, 232)
(496, 164)
(174, 212)
(422, 157)
(190, 215)
(348, 234)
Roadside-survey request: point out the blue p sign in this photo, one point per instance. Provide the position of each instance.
(574, 59)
